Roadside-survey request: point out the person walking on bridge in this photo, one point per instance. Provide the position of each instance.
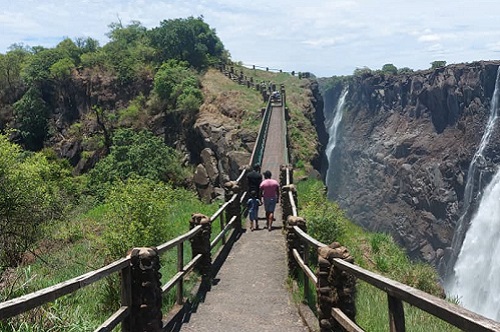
(254, 178)
(269, 191)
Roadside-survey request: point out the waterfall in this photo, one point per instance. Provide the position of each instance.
(477, 270)
(332, 132)
(475, 277)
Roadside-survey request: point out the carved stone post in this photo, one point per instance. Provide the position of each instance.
(200, 244)
(285, 189)
(336, 288)
(294, 241)
(233, 209)
(286, 205)
(146, 291)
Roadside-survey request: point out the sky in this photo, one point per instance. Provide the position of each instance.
(326, 38)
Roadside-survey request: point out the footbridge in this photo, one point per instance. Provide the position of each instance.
(244, 279)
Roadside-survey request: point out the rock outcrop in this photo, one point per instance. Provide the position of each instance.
(404, 148)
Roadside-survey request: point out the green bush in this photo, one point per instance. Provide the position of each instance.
(137, 215)
(136, 154)
(29, 197)
(324, 218)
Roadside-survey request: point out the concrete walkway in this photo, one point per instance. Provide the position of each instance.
(249, 291)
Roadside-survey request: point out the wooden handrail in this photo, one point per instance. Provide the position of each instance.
(345, 321)
(179, 275)
(26, 302)
(114, 320)
(260, 143)
(307, 238)
(309, 273)
(181, 238)
(223, 231)
(449, 312)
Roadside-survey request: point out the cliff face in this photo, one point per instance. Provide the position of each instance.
(404, 148)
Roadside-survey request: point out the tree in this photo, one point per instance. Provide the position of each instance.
(31, 114)
(10, 67)
(405, 70)
(69, 50)
(87, 45)
(438, 64)
(362, 71)
(128, 51)
(137, 154)
(28, 198)
(189, 40)
(389, 68)
(37, 69)
(178, 86)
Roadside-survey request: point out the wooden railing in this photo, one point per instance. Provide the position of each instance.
(260, 144)
(397, 293)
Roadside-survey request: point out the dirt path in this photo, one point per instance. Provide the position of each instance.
(249, 291)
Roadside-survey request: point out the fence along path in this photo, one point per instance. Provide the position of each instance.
(249, 291)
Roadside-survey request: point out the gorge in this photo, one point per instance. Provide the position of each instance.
(412, 156)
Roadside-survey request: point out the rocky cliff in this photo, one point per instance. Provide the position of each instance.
(404, 148)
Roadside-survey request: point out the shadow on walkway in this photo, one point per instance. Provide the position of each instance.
(176, 320)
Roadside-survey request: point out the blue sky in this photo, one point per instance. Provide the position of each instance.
(330, 37)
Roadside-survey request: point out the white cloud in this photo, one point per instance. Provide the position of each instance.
(429, 38)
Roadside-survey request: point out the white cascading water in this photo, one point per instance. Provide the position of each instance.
(476, 273)
(477, 270)
(332, 131)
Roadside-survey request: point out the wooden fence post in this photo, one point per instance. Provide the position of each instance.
(294, 241)
(200, 243)
(233, 209)
(285, 188)
(145, 310)
(336, 288)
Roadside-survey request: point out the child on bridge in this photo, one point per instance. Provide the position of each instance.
(253, 210)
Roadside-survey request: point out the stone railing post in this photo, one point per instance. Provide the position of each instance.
(335, 289)
(294, 241)
(233, 209)
(286, 205)
(145, 311)
(200, 243)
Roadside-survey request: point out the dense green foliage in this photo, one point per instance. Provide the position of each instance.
(189, 40)
(389, 68)
(178, 86)
(29, 197)
(139, 214)
(325, 219)
(136, 154)
(37, 82)
(438, 64)
(32, 115)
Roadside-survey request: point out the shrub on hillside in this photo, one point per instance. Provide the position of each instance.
(136, 154)
(324, 217)
(29, 197)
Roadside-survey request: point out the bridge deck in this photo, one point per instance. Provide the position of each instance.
(249, 292)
